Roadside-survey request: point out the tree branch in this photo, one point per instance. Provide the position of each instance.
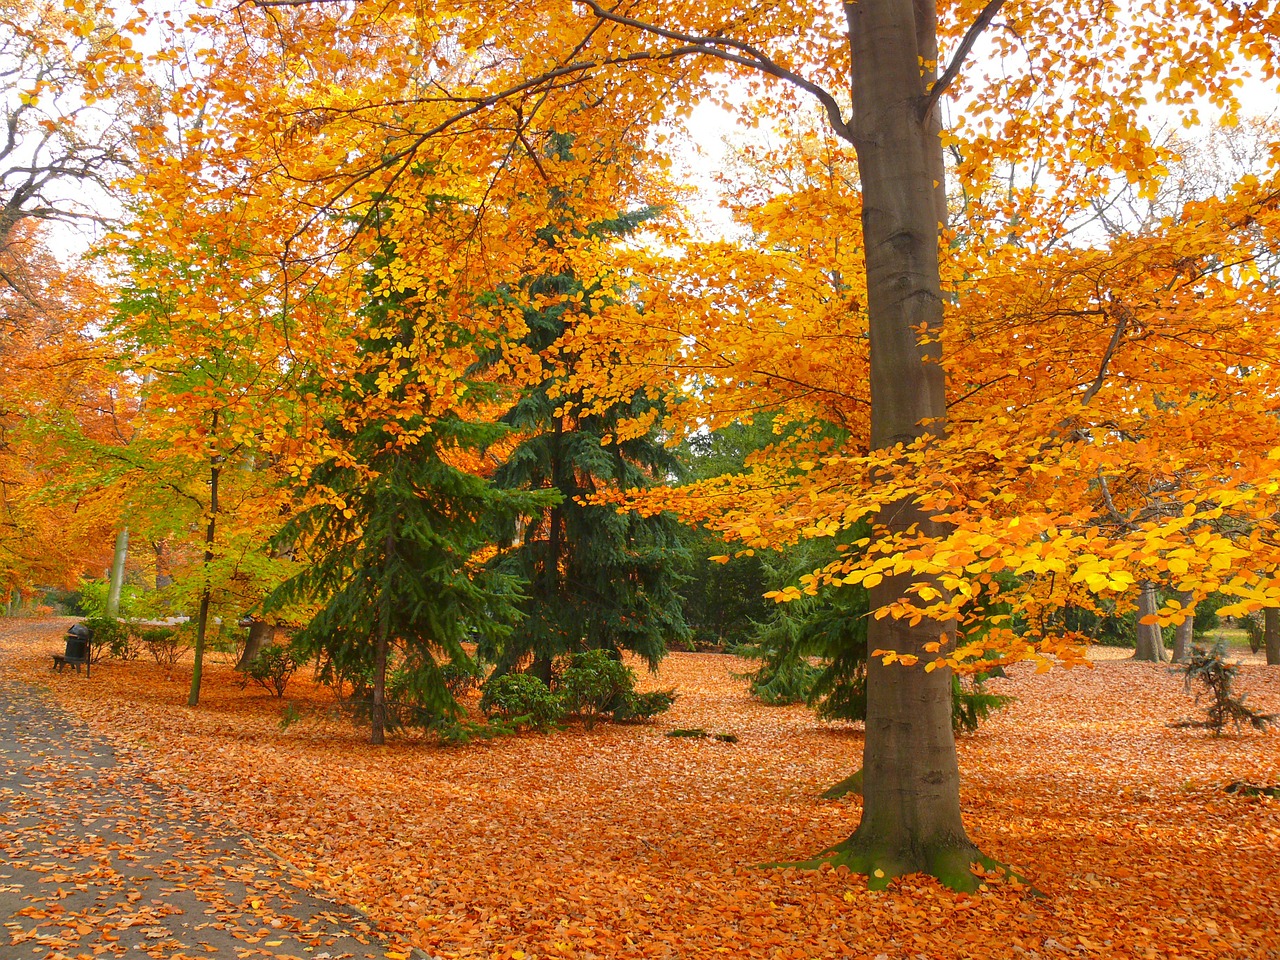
(966, 46)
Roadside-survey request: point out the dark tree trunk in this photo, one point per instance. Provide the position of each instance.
(261, 634)
(1271, 635)
(202, 622)
(378, 708)
(164, 577)
(1184, 633)
(1150, 638)
(911, 818)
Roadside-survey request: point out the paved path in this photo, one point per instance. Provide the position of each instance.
(95, 862)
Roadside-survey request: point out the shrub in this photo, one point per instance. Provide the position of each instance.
(643, 706)
(112, 638)
(272, 668)
(1216, 677)
(461, 678)
(521, 700)
(164, 644)
(972, 704)
(596, 685)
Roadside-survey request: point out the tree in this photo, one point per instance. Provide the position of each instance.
(392, 524)
(596, 579)
(72, 99)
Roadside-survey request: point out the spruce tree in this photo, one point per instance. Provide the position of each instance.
(596, 579)
(391, 543)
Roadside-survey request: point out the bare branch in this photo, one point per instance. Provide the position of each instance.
(746, 56)
(966, 46)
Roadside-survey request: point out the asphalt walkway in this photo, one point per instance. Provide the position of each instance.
(95, 862)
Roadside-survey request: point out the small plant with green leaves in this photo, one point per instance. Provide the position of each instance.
(112, 638)
(272, 669)
(521, 700)
(971, 704)
(596, 685)
(1209, 673)
(165, 645)
(462, 677)
(459, 733)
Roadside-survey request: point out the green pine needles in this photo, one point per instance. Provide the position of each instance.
(594, 579)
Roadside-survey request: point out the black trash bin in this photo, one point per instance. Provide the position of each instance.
(77, 652)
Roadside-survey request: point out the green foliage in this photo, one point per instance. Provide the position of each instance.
(697, 733)
(165, 645)
(592, 687)
(458, 733)
(388, 552)
(461, 677)
(644, 706)
(971, 704)
(1206, 618)
(813, 650)
(289, 715)
(595, 685)
(1209, 672)
(723, 602)
(112, 638)
(91, 600)
(595, 578)
(272, 668)
(521, 700)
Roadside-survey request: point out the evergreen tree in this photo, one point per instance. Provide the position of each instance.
(392, 542)
(723, 601)
(596, 578)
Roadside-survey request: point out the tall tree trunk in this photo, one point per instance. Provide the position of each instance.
(911, 818)
(261, 634)
(202, 622)
(544, 660)
(116, 586)
(1271, 635)
(1150, 638)
(163, 575)
(378, 708)
(1184, 633)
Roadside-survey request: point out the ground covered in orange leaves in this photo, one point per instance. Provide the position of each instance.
(624, 842)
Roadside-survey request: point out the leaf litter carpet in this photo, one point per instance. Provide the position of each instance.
(624, 842)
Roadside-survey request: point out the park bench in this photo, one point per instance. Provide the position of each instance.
(77, 651)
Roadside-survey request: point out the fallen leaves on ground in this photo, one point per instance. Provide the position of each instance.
(627, 843)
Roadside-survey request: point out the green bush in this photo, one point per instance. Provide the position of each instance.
(643, 706)
(112, 638)
(461, 678)
(521, 700)
(164, 644)
(972, 704)
(272, 668)
(1212, 673)
(595, 685)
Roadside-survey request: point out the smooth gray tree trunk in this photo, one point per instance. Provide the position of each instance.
(1271, 635)
(911, 818)
(1150, 640)
(261, 634)
(1184, 634)
(116, 586)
